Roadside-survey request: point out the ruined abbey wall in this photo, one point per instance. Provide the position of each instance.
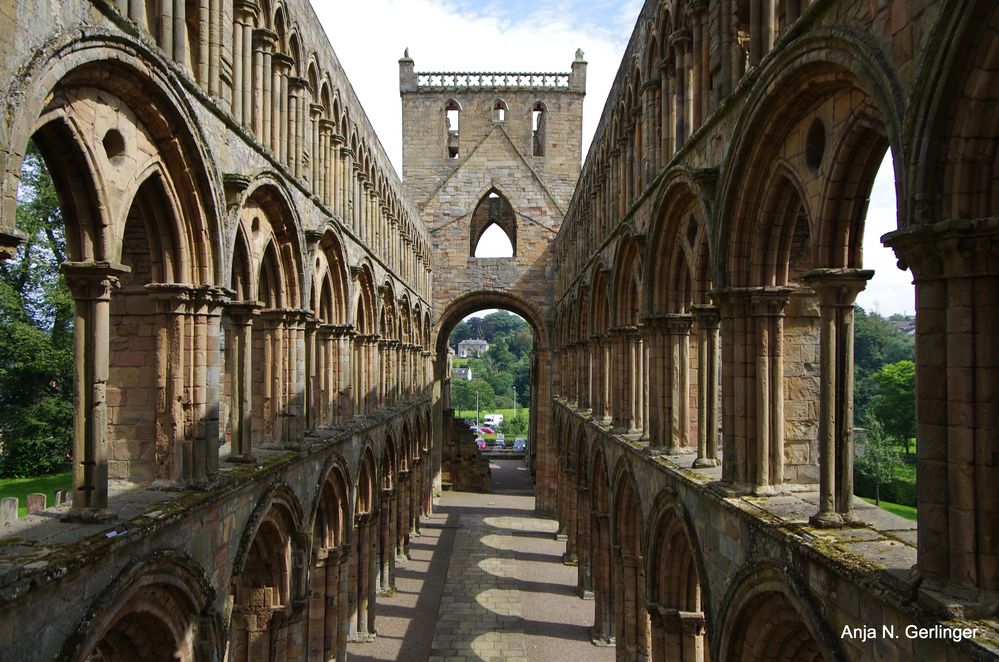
(708, 268)
(252, 444)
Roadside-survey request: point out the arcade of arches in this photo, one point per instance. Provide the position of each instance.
(261, 387)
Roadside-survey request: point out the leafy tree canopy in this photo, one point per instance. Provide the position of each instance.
(36, 334)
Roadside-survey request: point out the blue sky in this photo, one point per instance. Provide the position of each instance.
(540, 35)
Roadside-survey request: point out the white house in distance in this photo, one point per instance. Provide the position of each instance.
(472, 347)
(462, 373)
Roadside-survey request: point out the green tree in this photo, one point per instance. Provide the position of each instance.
(880, 459)
(501, 356)
(463, 394)
(893, 402)
(36, 334)
(876, 343)
(461, 332)
(517, 425)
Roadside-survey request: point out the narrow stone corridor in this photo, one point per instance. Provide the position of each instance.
(485, 582)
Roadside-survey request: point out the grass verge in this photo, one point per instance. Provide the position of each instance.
(908, 512)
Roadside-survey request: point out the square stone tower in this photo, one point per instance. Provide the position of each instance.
(447, 116)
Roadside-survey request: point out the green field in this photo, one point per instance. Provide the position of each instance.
(908, 512)
(22, 487)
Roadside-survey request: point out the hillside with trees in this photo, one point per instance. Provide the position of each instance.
(501, 372)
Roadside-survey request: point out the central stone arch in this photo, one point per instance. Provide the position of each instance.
(540, 454)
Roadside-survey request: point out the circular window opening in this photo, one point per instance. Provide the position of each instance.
(815, 144)
(114, 143)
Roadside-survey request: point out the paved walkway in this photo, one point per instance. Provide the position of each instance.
(486, 582)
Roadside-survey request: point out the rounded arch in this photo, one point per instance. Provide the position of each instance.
(676, 576)
(158, 608)
(786, 93)
(463, 306)
(679, 248)
(952, 153)
(769, 615)
(332, 502)
(628, 284)
(269, 219)
(143, 86)
(279, 500)
(366, 488)
(364, 309)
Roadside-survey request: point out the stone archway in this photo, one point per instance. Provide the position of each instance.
(540, 449)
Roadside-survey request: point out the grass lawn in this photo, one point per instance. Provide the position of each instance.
(22, 487)
(908, 512)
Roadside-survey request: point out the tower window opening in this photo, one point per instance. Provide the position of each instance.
(538, 129)
(452, 118)
(499, 111)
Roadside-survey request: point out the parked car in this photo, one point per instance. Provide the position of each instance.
(498, 444)
(481, 443)
(520, 444)
(475, 428)
(486, 430)
(501, 436)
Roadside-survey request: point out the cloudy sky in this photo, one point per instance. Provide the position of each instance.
(522, 35)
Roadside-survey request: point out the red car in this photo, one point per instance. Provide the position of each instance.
(485, 430)
(481, 443)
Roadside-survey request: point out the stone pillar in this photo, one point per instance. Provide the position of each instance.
(700, 74)
(175, 453)
(636, 382)
(263, 46)
(313, 375)
(706, 322)
(241, 316)
(837, 291)
(607, 378)
(957, 396)
(680, 40)
(91, 284)
(281, 66)
(658, 387)
(761, 29)
(678, 352)
(753, 387)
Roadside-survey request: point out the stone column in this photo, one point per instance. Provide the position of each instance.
(680, 40)
(768, 315)
(241, 316)
(313, 374)
(637, 385)
(753, 387)
(175, 453)
(263, 46)
(315, 148)
(347, 388)
(91, 284)
(706, 322)
(326, 131)
(678, 341)
(697, 10)
(386, 569)
(837, 291)
(655, 341)
(761, 29)
(296, 126)
(280, 68)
